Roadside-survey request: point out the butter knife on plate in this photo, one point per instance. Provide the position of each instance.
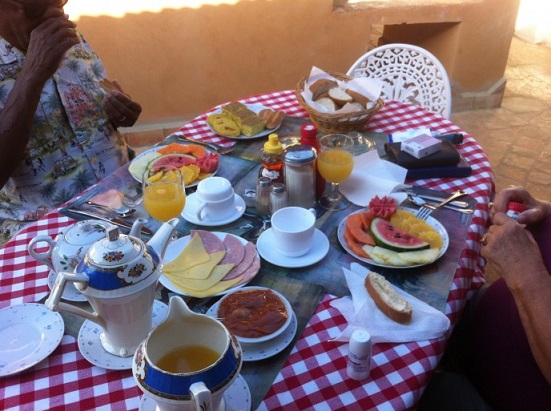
(113, 220)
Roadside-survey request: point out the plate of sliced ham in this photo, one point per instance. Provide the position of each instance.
(204, 264)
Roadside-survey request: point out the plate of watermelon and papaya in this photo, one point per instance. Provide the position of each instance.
(194, 161)
(389, 236)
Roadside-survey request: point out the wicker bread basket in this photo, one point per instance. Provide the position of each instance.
(337, 122)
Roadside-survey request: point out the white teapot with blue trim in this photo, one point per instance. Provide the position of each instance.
(118, 276)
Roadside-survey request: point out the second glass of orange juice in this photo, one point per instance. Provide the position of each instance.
(164, 195)
(335, 163)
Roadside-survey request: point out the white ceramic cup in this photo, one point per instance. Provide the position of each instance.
(215, 197)
(293, 230)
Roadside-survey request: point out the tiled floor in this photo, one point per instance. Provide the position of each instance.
(517, 136)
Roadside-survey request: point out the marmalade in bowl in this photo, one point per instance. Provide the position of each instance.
(252, 313)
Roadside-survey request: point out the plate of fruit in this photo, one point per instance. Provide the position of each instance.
(194, 161)
(386, 235)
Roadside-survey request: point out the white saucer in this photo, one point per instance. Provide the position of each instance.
(90, 346)
(191, 205)
(236, 398)
(30, 332)
(267, 250)
(70, 293)
(267, 349)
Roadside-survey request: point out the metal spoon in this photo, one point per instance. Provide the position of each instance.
(420, 202)
(121, 211)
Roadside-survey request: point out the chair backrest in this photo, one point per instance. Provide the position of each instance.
(410, 74)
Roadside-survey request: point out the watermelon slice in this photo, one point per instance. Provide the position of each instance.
(390, 237)
(176, 160)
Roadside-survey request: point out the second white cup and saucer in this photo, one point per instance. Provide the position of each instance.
(214, 203)
(293, 241)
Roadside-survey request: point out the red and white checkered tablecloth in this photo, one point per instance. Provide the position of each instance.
(314, 375)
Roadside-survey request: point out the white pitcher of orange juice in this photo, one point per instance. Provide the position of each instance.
(187, 361)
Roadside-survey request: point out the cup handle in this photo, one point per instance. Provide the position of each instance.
(201, 395)
(313, 212)
(46, 256)
(200, 210)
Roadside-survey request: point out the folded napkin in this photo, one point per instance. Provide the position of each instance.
(372, 177)
(360, 311)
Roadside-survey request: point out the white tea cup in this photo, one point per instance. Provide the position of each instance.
(293, 230)
(215, 197)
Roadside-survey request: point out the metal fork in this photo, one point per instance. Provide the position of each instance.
(212, 146)
(426, 209)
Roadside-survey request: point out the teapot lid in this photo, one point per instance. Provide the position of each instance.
(85, 232)
(115, 250)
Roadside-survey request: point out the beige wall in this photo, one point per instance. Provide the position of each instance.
(180, 62)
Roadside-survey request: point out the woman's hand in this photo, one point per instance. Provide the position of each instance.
(511, 250)
(120, 108)
(535, 212)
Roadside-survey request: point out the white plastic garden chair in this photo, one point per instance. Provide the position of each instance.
(410, 74)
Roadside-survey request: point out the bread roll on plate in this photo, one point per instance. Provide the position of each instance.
(387, 299)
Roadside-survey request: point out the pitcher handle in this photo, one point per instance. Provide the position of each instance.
(54, 302)
(45, 257)
(201, 395)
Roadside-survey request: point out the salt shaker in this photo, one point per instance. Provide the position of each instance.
(300, 175)
(359, 355)
(514, 209)
(278, 197)
(263, 196)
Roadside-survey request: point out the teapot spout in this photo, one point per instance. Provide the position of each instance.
(160, 240)
(136, 229)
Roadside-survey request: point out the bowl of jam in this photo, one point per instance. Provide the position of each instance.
(255, 314)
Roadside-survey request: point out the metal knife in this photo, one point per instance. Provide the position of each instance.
(456, 203)
(113, 220)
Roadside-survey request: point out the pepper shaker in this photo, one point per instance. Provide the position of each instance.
(263, 196)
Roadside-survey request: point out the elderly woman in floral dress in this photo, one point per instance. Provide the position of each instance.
(58, 126)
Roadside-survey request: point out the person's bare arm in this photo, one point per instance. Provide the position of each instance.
(515, 255)
(48, 43)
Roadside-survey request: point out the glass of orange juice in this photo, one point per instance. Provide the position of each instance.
(335, 162)
(164, 195)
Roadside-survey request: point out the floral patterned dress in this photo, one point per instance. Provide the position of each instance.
(72, 144)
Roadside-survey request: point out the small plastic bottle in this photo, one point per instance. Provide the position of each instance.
(278, 197)
(359, 355)
(272, 160)
(263, 196)
(309, 136)
(514, 209)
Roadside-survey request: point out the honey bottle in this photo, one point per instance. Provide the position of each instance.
(272, 160)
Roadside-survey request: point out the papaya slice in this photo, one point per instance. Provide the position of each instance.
(176, 148)
(354, 246)
(354, 226)
(367, 217)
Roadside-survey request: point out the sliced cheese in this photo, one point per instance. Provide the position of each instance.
(215, 289)
(200, 271)
(192, 255)
(215, 277)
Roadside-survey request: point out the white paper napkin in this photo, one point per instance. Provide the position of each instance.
(372, 176)
(360, 311)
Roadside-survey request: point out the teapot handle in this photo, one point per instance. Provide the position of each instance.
(54, 302)
(45, 257)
